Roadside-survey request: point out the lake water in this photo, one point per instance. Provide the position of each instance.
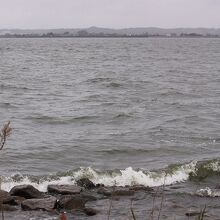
(119, 111)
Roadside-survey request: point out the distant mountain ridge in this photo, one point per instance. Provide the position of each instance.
(127, 31)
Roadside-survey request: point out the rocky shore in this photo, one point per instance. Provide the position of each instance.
(63, 198)
(85, 200)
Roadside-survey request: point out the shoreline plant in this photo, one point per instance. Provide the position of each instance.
(4, 134)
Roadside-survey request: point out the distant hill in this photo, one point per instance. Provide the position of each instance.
(127, 31)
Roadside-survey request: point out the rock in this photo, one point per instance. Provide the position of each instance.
(99, 185)
(193, 213)
(18, 199)
(90, 211)
(3, 194)
(73, 202)
(64, 189)
(5, 198)
(10, 201)
(26, 191)
(123, 192)
(118, 191)
(88, 197)
(105, 191)
(6, 207)
(141, 188)
(86, 183)
(46, 204)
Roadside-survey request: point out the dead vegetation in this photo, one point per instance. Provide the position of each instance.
(4, 134)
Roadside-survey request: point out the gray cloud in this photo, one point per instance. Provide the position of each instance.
(109, 13)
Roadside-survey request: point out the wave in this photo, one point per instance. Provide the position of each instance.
(208, 192)
(126, 177)
(122, 115)
(60, 120)
(7, 105)
(13, 87)
(172, 174)
(204, 169)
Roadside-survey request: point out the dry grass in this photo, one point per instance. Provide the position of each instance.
(4, 134)
(132, 211)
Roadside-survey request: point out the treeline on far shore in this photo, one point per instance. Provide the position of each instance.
(104, 35)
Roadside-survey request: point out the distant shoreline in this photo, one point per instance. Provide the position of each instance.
(160, 36)
(97, 32)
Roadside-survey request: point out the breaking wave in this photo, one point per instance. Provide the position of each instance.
(172, 174)
(126, 177)
(208, 192)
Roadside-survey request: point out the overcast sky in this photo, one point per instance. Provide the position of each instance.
(109, 13)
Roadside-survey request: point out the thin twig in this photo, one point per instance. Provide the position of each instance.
(132, 212)
(202, 213)
(162, 200)
(111, 198)
(2, 208)
(151, 217)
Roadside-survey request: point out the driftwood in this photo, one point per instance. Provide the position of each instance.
(4, 133)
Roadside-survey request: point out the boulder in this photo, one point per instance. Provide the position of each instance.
(86, 183)
(73, 202)
(3, 195)
(141, 188)
(46, 204)
(99, 185)
(10, 201)
(118, 191)
(6, 198)
(105, 191)
(193, 213)
(26, 191)
(6, 207)
(123, 192)
(64, 189)
(88, 196)
(90, 211)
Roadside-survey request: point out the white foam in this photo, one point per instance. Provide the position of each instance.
(8, 183)
(214, 166)
(132, 177)
(125, 177)
(207, 192)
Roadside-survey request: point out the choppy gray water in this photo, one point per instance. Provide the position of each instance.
(109, 104)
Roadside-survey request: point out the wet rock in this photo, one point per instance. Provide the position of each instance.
(64, 189)
(26, 191)
(10, 201)
(3, 194)
(99, 185)
(86, 183)
(18, 199)
(90, 211)
(73, 202)
(89, 196)
(105, 191)
(123, 192)
(191, 213)
(141, 188)
(118, 191)
(47, 204)
(6, 207)
(5, 198)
